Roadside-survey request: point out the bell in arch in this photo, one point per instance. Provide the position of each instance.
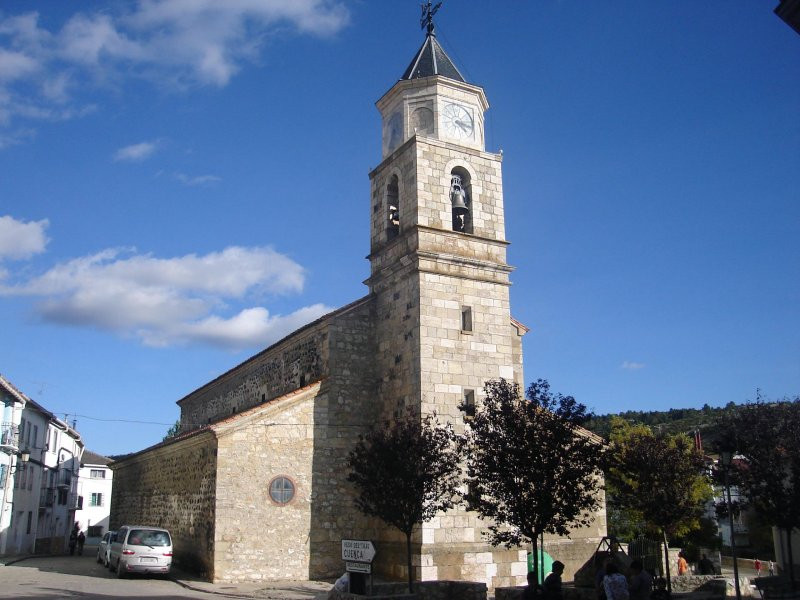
(458, 199)
(458, 196)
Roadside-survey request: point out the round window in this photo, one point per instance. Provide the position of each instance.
(281, 490)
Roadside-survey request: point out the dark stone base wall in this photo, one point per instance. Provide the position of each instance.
(172, 486)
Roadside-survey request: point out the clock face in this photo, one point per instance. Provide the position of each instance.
(394, 131)
(457, 121)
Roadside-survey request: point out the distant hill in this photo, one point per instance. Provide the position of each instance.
(674, 420)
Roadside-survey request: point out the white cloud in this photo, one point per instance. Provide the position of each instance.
(171, 301)
(135, 152)
(629, 365)
(22, 240)
(197, 180)
(178, 43)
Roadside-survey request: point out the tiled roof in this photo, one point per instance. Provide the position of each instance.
(91, 458)
(431, 59)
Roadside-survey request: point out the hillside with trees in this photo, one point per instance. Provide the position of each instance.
(672, 421)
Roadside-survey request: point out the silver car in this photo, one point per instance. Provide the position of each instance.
(104, 548)
(141, 549)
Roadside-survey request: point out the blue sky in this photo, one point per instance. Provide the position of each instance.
(183, 183)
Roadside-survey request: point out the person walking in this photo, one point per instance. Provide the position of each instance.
(771, 568)
(73, 539)
(641, 583)
(81, 542)
(683, 566)
(757, 567)
(615, 584)
(530, 590)
(552, 583)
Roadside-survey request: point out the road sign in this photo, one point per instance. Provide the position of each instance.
(358, 567)
(358, 551)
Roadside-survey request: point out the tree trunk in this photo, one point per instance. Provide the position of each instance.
(666, 560)
(408, 556)
(535, 561)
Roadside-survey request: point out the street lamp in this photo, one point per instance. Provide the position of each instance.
(24, 457)
(726, 458)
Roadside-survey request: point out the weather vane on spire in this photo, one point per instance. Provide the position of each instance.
(428, 10)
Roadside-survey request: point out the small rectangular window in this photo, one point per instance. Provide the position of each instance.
(469, 404)
(466, 318)
(35, 436)
(97, 499)
(97, 474)
(30, 520)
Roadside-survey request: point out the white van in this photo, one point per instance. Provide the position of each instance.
(140, 549)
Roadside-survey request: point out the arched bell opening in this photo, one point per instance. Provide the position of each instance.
(392, 208)
(460, 200)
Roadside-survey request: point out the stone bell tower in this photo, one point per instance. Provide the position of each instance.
(439, 276)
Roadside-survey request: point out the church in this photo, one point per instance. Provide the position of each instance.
(254, 487)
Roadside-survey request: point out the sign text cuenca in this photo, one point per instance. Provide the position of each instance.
(358, 551)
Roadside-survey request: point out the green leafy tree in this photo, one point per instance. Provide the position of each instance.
(173, 431)
(531, 468)
(659, 477)
(406, 472)
(767, 436)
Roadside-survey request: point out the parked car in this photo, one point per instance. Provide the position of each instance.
(141, 549)
(105, 547)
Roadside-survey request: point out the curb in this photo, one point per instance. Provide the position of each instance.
(194, 588)
(10, 560)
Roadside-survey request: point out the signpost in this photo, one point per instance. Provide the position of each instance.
(358, 550)
(357, 556)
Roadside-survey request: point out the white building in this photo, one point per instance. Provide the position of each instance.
(94, 496)
(39, 496)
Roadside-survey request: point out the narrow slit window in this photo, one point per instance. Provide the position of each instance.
(469, 404)
(466, 318)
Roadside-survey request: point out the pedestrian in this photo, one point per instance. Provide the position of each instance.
(661, 592)
(552, 583)
(683, 566)
(757, 567)
(531, 588)
(706, 566)
(81, 542)
(771, 568)
(641, 583)
(73, 539)
(615, 584)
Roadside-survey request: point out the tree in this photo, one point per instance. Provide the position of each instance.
(406, 472)
(659, 477)
(767, 437)
(174, 430)
(531, 469)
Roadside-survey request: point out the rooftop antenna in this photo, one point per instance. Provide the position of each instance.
(428, 10)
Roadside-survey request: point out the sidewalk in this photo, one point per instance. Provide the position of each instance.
(272, 590)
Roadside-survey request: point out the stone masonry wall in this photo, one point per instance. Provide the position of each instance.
(171, 486)
(292, 363)
(350, 408)
(255, 538)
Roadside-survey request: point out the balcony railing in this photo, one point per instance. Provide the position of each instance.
(64, 478)
(9, 435)
(47, 497)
